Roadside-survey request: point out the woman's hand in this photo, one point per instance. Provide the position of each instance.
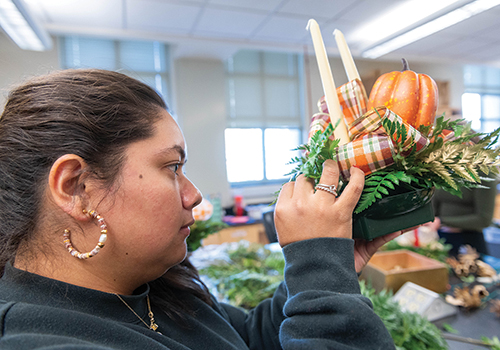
(364, 250)
(434, 225)
(303, 213)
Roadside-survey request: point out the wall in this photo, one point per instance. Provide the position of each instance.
(201, 111)
(17, 65)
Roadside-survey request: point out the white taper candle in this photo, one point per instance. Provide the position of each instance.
(329, 89)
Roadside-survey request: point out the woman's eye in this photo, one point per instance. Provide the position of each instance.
(176, 167)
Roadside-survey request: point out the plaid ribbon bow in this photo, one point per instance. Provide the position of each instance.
(370, 149)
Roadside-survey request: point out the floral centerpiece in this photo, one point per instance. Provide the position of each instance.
(394, 138)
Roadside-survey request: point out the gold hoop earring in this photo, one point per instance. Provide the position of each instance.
(100, 244)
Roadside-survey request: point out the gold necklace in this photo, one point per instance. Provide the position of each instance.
(153, 326)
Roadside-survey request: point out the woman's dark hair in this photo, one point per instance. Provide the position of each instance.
(94, 114)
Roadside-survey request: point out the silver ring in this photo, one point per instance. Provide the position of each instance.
(332, 189)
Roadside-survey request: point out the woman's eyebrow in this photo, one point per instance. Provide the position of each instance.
(174, 149)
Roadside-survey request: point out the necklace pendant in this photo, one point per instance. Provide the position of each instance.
(153, 326)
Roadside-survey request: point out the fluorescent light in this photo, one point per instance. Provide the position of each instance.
(431, 27)
(22, 27)
(396, 18)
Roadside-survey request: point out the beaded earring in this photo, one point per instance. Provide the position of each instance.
(100, 244)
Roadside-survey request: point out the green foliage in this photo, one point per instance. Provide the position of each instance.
(448, 328)
(451, 165)
(438, 251)
(494, 342)
(251, 275)
(319, 149)
(409, 331)
(380, 183)
(201, 230)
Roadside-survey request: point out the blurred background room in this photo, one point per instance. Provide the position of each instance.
(242, 80)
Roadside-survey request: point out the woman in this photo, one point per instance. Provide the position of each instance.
(460, 221)
(95, 210)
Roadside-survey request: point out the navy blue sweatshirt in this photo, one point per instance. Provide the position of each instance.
(319, 306)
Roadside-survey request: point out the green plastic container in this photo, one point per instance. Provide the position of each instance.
(393, 213)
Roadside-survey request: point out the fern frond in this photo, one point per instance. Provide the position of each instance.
(377, 185)
(440, 170)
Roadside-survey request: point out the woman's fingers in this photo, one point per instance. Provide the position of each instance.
(330, 174)
(303, 186)
(303, 212)
(352, 192)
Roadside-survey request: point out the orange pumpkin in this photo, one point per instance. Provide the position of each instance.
(412, 96)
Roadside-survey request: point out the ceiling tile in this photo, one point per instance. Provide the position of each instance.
(95, 13)
(431, 43)
(474, 24)
(461, 48)
(346, 27)
(363, 11)
(316, 8)
(492, 32)
(258, 5)
(486, 52)
(283, 28)
(228, 23)
(269, 22)
(155, 15)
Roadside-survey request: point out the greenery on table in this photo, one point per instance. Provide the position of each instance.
(250, 275)
(494, 342)
(201, 230)
(450, 165)
(410, 331)
(437, 250)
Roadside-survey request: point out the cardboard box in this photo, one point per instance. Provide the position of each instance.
(392, 269)
(254, 233)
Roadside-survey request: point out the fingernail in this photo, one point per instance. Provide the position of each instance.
(355, 166)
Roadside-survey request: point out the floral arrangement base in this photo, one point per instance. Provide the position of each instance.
(393, 213)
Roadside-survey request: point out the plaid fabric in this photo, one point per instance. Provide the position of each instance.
(370, 149)
(322, 106)
(370, 153)
(353, 99)
(319, 122)
(371, 122)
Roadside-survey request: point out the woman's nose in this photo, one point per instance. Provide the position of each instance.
(191, 195)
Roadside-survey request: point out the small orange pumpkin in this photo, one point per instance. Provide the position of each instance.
(414, 97)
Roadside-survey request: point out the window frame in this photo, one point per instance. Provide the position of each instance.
(263, 121)
(265, 180)
(483, 88)
(120, 67)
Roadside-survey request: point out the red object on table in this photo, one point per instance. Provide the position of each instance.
(238, 206)
(415, 233)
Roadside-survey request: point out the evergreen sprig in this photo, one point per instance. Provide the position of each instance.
(408, 330)
(320, 148)
(451, 166)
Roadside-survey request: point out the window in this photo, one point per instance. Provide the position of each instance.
(265, 108)
(144, 60)
(481, 102)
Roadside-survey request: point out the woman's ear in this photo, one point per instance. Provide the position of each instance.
(65, 187)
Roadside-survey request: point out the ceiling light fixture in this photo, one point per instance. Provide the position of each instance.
(22, 27)
(395, 19)
(431, 27)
